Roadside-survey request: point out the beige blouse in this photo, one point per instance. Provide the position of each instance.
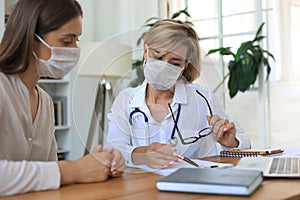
(21, 140)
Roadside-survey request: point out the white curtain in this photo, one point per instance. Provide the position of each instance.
(283, 40)
(295, 24)
(174, 6)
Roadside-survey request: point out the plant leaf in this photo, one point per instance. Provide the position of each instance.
(269, 54)
(152, 18)
(259, 38)
(136, 63)
(259, 30)
(189, 22)
(257, 53)
(244, 69)
(140, 39)
(266, 63)
(178, 13)
(150, 24)
(222, 51)
(231, 65)
(243, 50)
(233, 84)
(140, 72)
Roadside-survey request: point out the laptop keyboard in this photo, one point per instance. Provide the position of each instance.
(285, 165)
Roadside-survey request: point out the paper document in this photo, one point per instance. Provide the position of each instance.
(289, 151)
(177, 165)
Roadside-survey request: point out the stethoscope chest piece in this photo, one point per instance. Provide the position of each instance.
(173, 141)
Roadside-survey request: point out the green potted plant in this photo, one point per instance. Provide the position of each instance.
(136, 64)
(244, 67)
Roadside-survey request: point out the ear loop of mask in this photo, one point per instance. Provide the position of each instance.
(42, 41)
(147, 49)
(145, 59)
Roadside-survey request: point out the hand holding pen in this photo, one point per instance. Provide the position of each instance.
(156, 155)
(170, 149)
(188, 160)
(159, 156)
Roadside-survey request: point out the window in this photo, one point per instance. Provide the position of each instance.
(225, 22)
(222, 23)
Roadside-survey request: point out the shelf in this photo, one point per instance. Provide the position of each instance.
(47, 81)
(61, 128)
(62, 151)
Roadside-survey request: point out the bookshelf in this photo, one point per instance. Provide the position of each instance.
(60, 91)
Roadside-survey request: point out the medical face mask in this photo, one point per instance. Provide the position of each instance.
(61, 62)
(159, 74)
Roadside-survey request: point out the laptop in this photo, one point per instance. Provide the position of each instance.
(285, 167)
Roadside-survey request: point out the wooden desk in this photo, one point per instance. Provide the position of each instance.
(135, 184)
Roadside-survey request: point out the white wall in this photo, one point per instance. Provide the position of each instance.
(116, 21)
(9, 5)
(5, 8)
(2, 12)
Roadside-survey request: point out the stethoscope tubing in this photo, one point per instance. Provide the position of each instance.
(146, 119)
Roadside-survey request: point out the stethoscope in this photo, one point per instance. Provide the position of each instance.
(172, 140)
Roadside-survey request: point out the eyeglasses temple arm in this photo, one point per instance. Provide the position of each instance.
(175, 123)
(210, 110)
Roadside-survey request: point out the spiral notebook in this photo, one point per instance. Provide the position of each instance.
(249, 152)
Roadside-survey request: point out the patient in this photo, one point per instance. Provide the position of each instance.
(40, 40)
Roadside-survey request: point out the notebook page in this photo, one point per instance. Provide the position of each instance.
(177, 165)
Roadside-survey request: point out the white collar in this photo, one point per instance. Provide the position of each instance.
(180, 96)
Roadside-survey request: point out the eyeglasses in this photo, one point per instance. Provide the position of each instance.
(175, 59)
(202, 133)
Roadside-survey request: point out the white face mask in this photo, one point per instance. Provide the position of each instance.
(61, 62)
(161, 75)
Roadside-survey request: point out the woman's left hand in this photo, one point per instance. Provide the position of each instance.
(224, 131)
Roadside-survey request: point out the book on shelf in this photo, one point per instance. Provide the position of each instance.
(60, 110)
(49, 78)
(61, 154)
(212, 181)
(249, 152)
(6, 16)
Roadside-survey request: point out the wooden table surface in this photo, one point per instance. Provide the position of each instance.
(135, 184)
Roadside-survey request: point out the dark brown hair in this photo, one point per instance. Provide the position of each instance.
(29, 17)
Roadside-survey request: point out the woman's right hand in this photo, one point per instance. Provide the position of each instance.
(156, 155)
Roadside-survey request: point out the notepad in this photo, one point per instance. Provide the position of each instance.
(212, 181)
(249, 152)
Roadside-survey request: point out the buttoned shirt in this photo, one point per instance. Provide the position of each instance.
(126, 137)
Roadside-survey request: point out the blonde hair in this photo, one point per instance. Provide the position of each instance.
(169, 35)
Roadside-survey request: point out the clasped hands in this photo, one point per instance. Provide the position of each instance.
(111, 158)
(97, 166)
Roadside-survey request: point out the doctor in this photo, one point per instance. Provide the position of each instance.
(169, 115)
